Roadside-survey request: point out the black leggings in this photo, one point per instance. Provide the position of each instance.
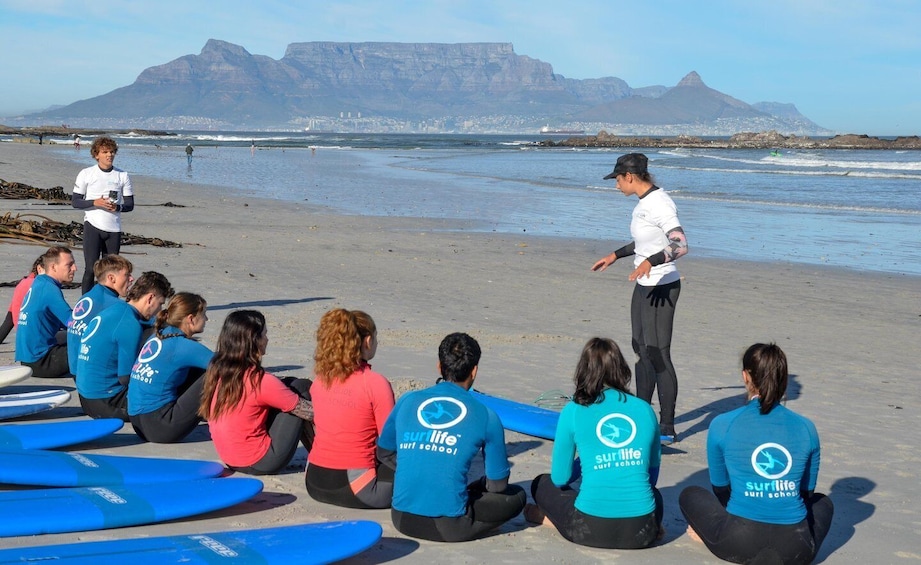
(652, 313)
(559, 505)
(352, 488)
(285, 429)
(485, 511)
(176, 420)
(54, 364)
(112, 407)
(96, 244)
(739, 540)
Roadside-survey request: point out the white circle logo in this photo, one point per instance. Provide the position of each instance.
(441, 412)
(25, 301)
(82, 308)
(150, 350)
(771, 460)
(91, 328)
(615, 430)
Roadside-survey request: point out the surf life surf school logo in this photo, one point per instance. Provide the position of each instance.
(91, 328)
(436, 415)
(142, 371)
(773, 462)
(617, 431)
(81, 310)
(23, 315)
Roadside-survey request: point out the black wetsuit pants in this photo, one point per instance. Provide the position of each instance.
(652, 313)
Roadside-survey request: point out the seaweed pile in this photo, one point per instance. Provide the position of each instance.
(41, 230)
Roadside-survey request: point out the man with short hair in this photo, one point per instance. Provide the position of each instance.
(113, 276)
(110, 344)
(40, 341)
(435, 434)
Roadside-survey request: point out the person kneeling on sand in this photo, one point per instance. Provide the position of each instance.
(256, 419)
(351, 403)
(617, 505)
(435, 434)
(166, 381)
(764, 463)
(110, 345)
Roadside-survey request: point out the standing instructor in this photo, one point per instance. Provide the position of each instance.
(658, 241)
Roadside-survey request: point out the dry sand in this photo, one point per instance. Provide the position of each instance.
(851, 338)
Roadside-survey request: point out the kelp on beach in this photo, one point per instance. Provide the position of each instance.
(41, 230)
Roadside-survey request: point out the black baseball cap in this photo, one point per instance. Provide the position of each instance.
(629, 163)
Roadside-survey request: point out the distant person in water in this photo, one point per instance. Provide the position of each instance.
(103, 192)
(188, 153)
(22, 287)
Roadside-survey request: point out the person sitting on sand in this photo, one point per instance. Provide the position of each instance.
(616, 435)
(110, 344)
(113, 276)
(166, 381)
(764, 463)
(41, 342)
(435, 434)
(351, 403)
(256, 419)
(22, 287)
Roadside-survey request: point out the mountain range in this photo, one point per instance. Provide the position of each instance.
(413, 87)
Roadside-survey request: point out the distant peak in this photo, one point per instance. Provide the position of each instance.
(691, 79)
(217, 46)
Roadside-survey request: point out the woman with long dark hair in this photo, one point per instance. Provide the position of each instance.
(351, 403)
(166, 382)
(256, 419)
(616, 435)
(764, 462)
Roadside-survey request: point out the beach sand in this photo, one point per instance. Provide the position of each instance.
(851, 339)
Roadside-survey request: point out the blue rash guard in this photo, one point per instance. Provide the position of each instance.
(766, 460)
(436, 433)
(618, 444)
(162, 367)
(43, 313)
(108, 349)
(93, 302)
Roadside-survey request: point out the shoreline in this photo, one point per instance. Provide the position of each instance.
(531, 302)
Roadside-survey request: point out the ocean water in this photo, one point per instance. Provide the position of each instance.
(854, 209)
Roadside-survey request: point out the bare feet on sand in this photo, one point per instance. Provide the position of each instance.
(534, 515)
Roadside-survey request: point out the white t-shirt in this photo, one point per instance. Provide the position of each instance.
(654, 216)
(92, 183)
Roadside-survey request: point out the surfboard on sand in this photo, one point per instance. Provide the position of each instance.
(522, 418)
(48, 511)
(28, 403)
(306, 544)
(12, 374)
(56, 434)
(61, 469)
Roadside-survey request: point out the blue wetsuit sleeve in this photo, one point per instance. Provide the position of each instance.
(811, 474)
(494, 454)
(716, 460)
(78, 201)
(128, 341)
(564, 448)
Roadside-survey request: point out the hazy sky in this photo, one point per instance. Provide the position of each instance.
(853, 66)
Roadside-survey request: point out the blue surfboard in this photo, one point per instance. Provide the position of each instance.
(307, 544)
(56, 434)
(59, 469)
(522, 418)
(28, 403)
(49, 511)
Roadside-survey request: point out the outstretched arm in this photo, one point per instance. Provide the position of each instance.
(609, 260)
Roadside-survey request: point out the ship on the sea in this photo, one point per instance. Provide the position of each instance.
(547, 130)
